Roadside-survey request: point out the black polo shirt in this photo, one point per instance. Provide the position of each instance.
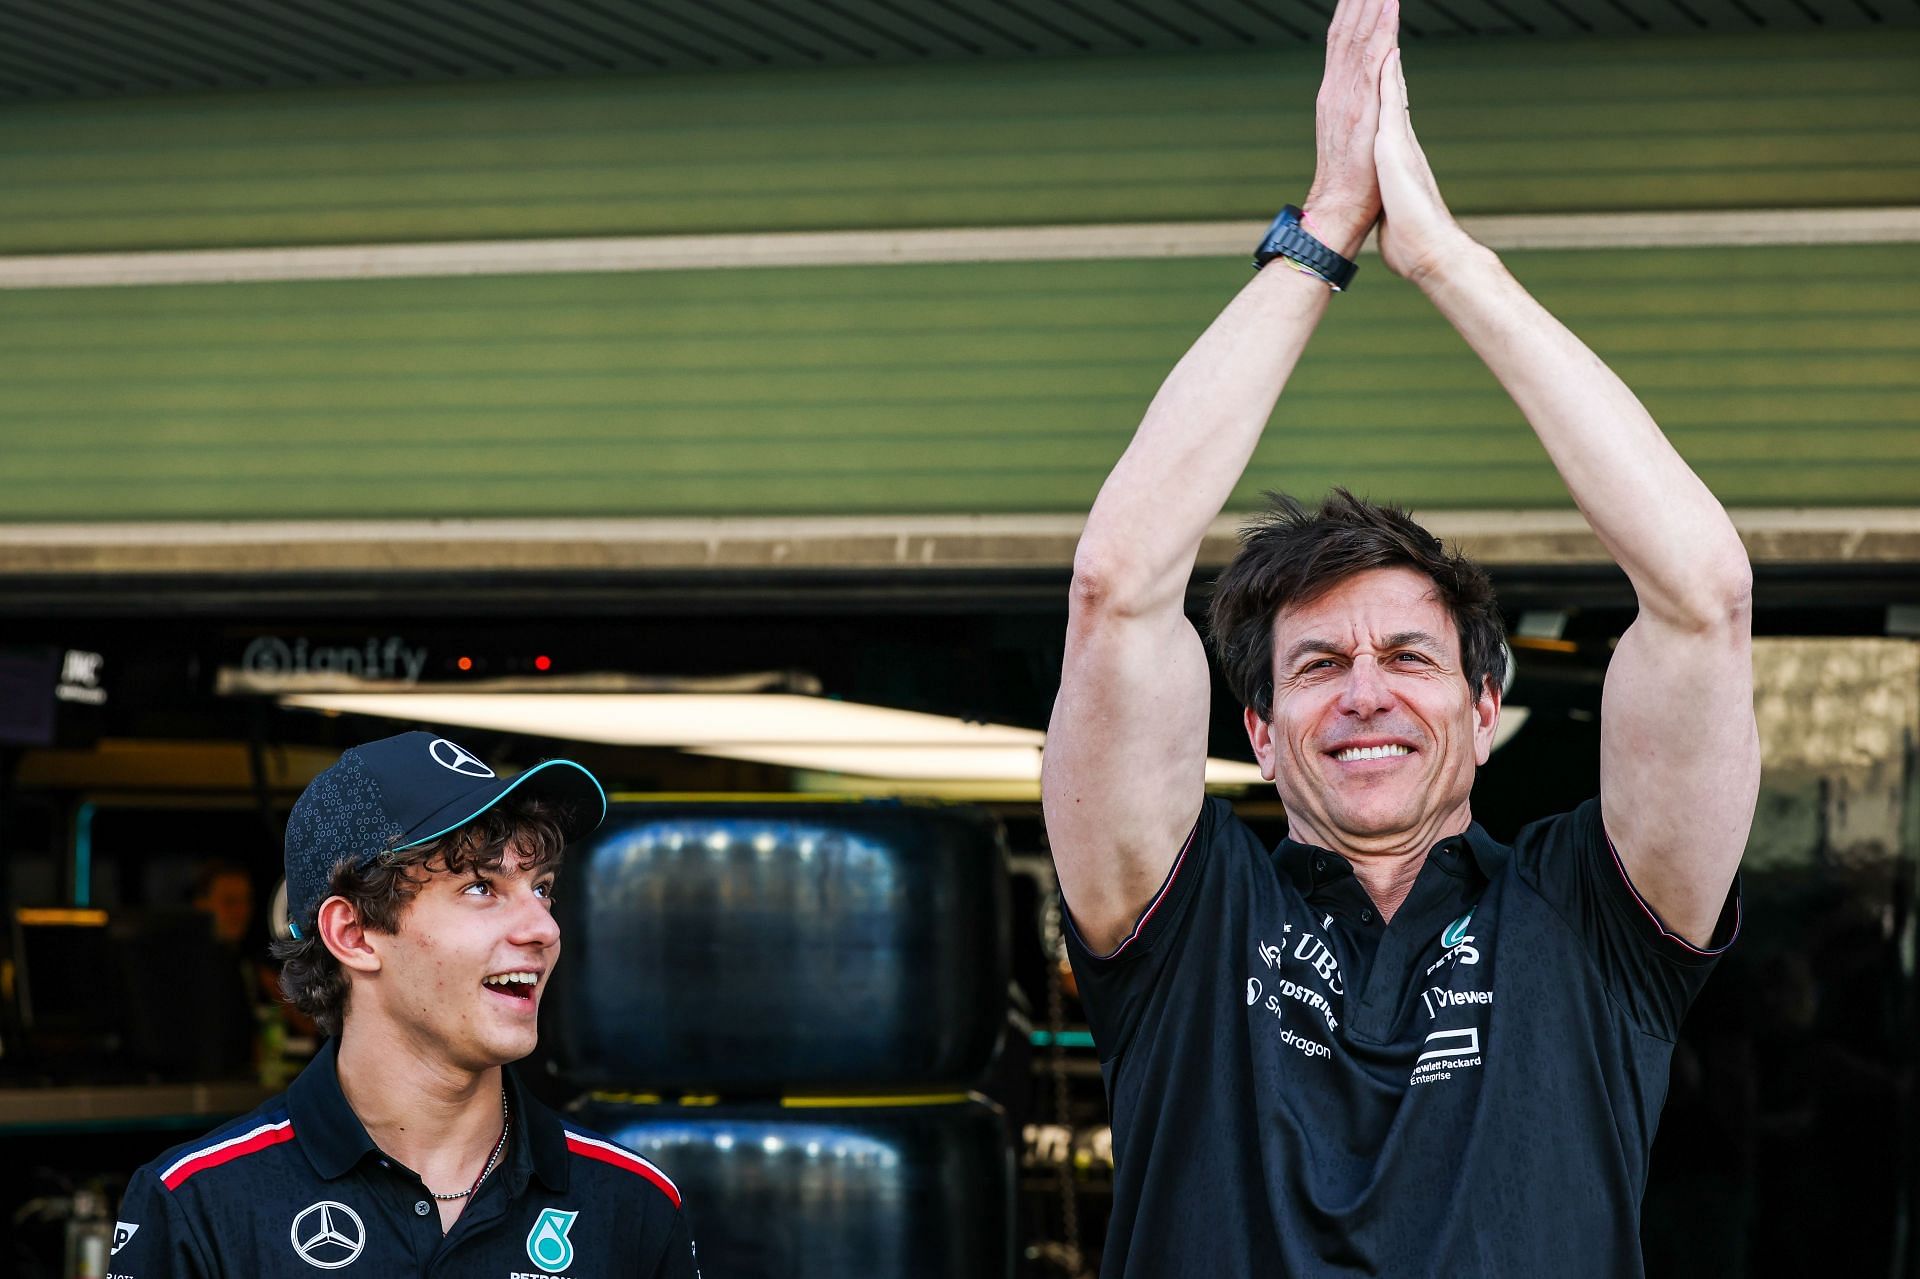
(297, 1187)
(1472, 1090)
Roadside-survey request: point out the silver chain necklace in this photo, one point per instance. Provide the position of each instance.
(506, 1126)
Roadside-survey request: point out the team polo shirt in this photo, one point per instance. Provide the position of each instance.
(297, 1188)
(1471, 1090)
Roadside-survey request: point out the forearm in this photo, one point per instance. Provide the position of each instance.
(1655, 517)
(1144, 532)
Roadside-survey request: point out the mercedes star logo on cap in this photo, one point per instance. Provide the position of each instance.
(458, 758)
(329, 1235)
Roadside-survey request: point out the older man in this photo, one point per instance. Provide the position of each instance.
(1392, 1045)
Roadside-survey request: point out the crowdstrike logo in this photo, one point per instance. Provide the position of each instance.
(328, 1235)
(452, 755)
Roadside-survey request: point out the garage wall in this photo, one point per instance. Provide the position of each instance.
(1513, 126)
(1787, 377)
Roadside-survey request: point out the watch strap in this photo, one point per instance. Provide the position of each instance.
(1288, 239)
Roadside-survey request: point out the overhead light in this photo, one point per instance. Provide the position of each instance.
(938, 763)
(906, 763)
(786, 730)
(688, 720)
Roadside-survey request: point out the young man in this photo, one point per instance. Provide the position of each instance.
(420, 888)
(1392, 1046)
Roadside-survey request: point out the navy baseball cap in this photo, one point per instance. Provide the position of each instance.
(401, 792)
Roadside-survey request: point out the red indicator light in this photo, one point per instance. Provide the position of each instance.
(543, 663)
(465, 663)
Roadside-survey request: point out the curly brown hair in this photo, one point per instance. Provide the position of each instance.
(1292, 555)
(313, 980)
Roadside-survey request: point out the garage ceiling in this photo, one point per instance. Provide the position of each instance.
(106, 48)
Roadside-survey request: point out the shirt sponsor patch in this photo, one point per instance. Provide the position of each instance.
(547, 1244)
(328, 1235)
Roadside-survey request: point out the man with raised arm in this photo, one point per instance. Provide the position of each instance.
(1392, 1045)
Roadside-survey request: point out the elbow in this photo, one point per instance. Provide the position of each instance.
(1719, 595)
(1729, 588)
(1108, 586)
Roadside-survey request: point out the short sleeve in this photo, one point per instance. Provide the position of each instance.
(1115, 987)
(151, 1238)
(678, 1260)
(1652, 972)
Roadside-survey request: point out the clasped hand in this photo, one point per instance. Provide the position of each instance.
(1370, 168)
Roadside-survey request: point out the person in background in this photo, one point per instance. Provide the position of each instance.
(223, 891)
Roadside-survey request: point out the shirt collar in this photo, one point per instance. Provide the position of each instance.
(329, 1132)
(335, 1140)
(543, 1153)
(1472, 853)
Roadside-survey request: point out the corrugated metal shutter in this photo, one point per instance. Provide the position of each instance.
(1787, 378)
(1512, 126)
(988, 388)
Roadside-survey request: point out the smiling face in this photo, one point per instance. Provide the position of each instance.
(1375, 734)
(461, 978)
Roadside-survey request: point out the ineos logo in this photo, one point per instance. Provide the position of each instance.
(329, 1235)
(458, 758)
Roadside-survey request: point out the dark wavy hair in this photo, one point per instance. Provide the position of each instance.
(312, 979)
(1291, 555)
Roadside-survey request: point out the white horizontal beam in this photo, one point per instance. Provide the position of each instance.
(1785, 536)
(1747, 228)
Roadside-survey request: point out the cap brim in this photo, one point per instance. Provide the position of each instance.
(577, 792)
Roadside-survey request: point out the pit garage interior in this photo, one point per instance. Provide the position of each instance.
(712, 393)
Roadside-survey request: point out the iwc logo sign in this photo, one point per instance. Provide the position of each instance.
(328, 1235)
(458, 758)
(547, 1244)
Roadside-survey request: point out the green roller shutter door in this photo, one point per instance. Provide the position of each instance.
(911, 389)
(1513, 126)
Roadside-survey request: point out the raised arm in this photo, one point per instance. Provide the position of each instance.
(1679, 752)
(1126, 751)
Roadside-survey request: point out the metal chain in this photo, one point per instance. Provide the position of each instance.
(506, 1126)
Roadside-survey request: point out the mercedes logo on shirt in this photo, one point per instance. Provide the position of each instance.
(458, 758)
(328, 1235)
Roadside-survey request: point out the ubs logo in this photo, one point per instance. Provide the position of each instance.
(452, 755)
(1315, 953)
(328, 1235)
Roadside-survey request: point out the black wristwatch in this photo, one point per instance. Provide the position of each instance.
(1286, 238)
